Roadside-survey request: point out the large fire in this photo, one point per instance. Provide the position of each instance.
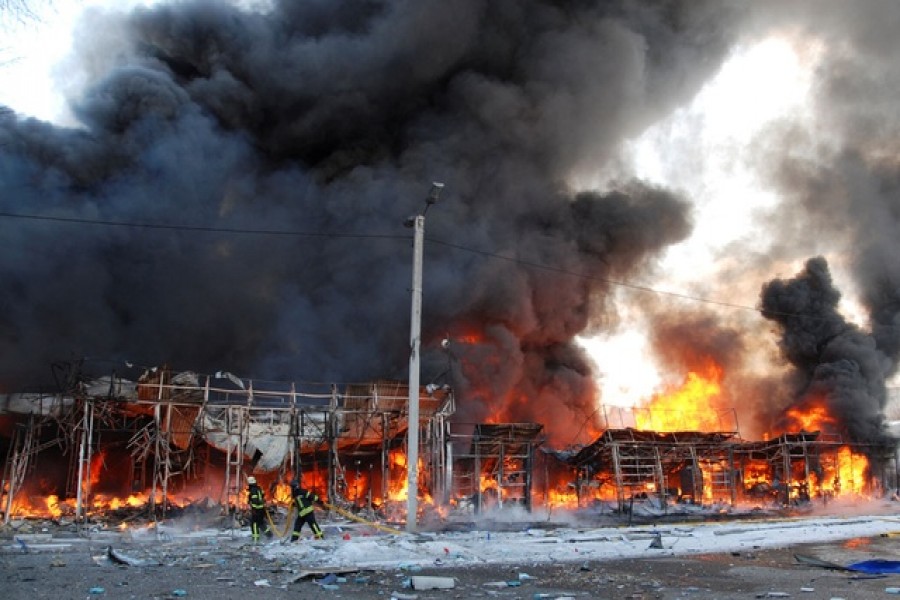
(845, 473)
(697, 406)
(690, 407)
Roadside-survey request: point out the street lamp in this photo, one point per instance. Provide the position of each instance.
(415, 332)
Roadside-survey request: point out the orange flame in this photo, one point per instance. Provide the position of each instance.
(813, 416)
(690, 407)
(53, 506)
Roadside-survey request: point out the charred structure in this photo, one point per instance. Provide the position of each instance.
(170, 435)
(494, 465)
(719, 468)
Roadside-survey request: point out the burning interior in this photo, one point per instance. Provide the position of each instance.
(172, 439)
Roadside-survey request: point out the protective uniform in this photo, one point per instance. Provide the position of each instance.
(303, 501)
(257, 501)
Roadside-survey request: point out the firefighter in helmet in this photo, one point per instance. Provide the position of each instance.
(304, 501)
(257, 501)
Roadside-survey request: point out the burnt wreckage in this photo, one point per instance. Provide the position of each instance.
(173, 435)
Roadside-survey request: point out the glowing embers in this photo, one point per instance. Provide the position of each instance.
(56, 508)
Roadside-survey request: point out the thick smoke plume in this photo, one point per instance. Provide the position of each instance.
(834, 361)
(839, 183)
(836, 174)
(330, 120)
(232, 196)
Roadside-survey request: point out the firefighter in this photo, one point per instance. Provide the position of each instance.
(257, 501)
(305, 500)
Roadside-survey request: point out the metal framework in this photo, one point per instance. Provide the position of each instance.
(256, 427)
(494, 463)
(705, 467)
(642, 461)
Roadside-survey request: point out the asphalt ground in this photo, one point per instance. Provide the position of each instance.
(239, 571)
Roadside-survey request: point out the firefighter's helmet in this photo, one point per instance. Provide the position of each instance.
(251, 480)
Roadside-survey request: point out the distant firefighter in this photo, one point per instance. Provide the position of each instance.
(305, 502)
(257, 501)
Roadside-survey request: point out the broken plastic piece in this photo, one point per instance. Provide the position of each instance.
(425, 582)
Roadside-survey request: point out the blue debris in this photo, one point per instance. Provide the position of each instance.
(22, 544)
(876, 566)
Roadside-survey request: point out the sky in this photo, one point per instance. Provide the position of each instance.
(671, 178)
(34, 56)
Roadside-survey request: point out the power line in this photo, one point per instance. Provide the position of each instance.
(613, 282)
(334, 235)
(200, 228)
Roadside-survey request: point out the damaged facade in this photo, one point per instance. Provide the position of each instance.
(168, 436)
(183, 431)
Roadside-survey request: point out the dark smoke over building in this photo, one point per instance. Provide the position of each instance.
(234, 192)
(833, 360)
(329, 121)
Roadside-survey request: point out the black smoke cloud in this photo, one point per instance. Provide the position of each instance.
(837, 178)
(833, 360)
(332, 119)
(840, 185)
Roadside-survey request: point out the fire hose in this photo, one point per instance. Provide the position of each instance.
(344, 513)
(287, 522)
(358, 519)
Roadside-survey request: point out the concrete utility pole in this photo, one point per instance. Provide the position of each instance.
(415, 334)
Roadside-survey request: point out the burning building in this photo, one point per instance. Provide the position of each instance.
(169, 438)
(231, 191)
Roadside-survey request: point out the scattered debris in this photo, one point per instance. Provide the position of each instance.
(425, 582)
(306, 573)
(871, 567)
(876, 566)
(123, 559)
(812, 561)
